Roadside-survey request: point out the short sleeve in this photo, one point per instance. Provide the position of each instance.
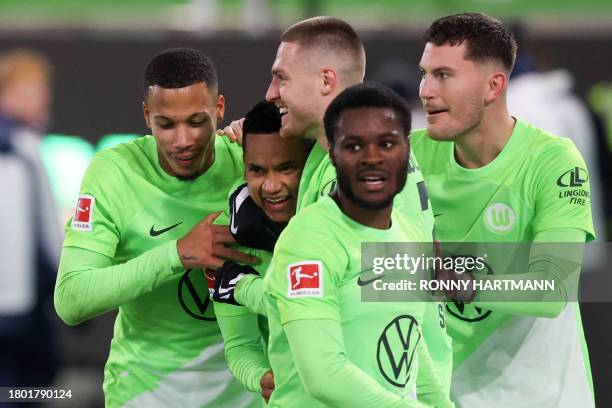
(306, 270)
(96, 223)
(562, 196)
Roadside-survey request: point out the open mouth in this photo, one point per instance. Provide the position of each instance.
(283, 110)
(277, 203)
(373, 181)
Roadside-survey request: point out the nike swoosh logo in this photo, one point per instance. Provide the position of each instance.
(155, 233)
(244, 193)
(368, 281)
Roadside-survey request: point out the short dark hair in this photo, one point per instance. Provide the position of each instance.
(365, 95)
(264, 117)
(486, 38)
(178, 68)
(329, 33)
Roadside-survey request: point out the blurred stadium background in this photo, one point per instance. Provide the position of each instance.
(98, 50)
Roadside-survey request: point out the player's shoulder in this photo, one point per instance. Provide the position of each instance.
(418, 136)
(318, 220)
(229, 153)
(546, 149)
(543, 142)
(122, 156)
(423, 145)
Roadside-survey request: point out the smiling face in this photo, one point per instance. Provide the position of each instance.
(273, 167)
(452, 91)
(183, 122)
(370, 152)
(295, 90)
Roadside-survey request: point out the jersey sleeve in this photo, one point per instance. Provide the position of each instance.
(343, 383)
(250, 293)
(89, 285)
(243, 346)
(96, 224)
(562, 191)
(306, 269)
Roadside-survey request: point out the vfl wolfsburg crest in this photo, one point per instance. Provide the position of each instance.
(499, 217)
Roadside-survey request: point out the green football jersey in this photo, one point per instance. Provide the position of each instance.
(538, 182)
(314, 275)
(166, 348)
(318, 179)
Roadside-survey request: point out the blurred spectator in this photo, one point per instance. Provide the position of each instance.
(546, 100)
(29, 237)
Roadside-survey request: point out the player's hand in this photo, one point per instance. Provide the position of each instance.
(205, 246)
(226, 279)
(233, 131)
(449, 275)
(267, 385)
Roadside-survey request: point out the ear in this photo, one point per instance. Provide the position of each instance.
(145, 111)
(329, 80)
(220, 108)
(496, 86)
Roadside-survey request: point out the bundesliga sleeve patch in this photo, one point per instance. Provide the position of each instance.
(82, 220)
(305, 279)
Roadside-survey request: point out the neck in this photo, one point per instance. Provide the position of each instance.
(317, 132)
(481, 145)
(373, 218)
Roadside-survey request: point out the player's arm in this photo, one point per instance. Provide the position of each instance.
(438, 342)
(561, 225)
(243, 346)
(250, 293)
(89, 285)
(559, 264)
(429, 387)
(326, 372)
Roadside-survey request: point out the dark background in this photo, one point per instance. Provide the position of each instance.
(98, 76)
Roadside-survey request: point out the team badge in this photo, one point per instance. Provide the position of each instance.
(305, 279)
(83, 214)
(499, 217)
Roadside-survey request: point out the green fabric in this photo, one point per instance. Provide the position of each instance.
(250, 293)
(343, 384)
(537, 183)
(512, 198)
(244, 348)
(318, 178)
(88, 285)
(166, 339)
(245, 332)
(543, 265)
(336, 249)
